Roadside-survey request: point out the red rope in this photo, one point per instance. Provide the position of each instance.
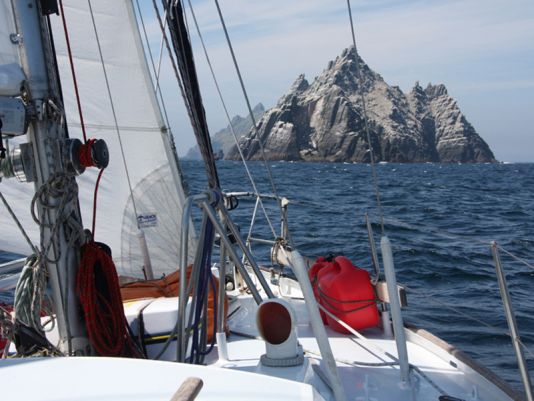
(94, 201)
(85, 154)
(97, 285)
(75, 83)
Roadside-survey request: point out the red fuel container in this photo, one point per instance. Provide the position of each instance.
(346, 291)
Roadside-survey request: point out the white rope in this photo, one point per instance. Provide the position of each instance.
(29, 295)
(366, 121)
(6, 330)
(117, 129)
(57, 196)
(236, 140)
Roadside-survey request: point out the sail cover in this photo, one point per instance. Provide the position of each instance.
(141, 188)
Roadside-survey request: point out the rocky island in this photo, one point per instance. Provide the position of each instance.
(323, 121)
(223, 140)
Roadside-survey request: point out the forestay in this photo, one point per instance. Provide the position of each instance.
(148, 170)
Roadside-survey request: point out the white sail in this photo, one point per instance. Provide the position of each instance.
(131, 124)
(8, 50)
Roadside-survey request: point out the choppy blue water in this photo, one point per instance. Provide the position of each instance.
(440, 219)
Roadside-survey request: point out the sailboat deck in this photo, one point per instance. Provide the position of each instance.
(364, 365)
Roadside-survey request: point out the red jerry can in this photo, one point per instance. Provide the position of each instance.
(346, 291)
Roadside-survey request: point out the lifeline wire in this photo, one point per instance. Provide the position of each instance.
(456, 310)
(249, 174)
(444, 234)
(112, 108)
(366, 121)
(516, 258)
(529, 352)
(269, 173)
(17, 222)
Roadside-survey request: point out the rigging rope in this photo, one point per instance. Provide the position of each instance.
(18, 223)
(158, 91)
(56, 197)
(162, 27)
(97, 285)
(186, 66)
(71, 62)
(93, 226)
(254, 124)
(366, 121)
(241, 155)
(29, 294)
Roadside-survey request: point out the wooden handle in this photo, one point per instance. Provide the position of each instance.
(188, 390)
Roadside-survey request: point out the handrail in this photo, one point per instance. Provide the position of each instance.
(252, 195)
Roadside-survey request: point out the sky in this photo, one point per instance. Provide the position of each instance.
(482, 50)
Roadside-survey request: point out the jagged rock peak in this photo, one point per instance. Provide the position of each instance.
(259, 108)
(300, 84)
(434, 91)
(323, 121)
(343, 74)
(417, 88)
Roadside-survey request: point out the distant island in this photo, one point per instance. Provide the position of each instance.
(223, 140)
(323, 121)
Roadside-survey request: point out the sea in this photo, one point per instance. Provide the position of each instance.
(441, 220)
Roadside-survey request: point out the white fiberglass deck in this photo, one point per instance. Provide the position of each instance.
(364, 366)
(435, 372)
(107, 379)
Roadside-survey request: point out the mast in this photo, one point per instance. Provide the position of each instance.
(61, 234)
